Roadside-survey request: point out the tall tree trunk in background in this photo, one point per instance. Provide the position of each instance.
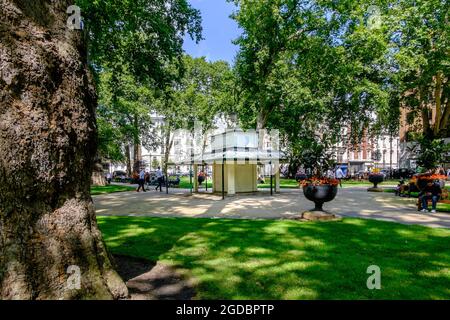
(137, 157)
(261, 122)
(47, 147)
(128, 159)
(137, 149)
(168, 142)
(437, 100)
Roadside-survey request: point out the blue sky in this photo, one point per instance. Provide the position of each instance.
(218, 31)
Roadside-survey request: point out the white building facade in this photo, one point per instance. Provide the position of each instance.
(380, 153)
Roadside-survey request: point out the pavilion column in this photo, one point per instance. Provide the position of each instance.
(277, 176)
(230, 173)
(255, 177)
(213, 177)
(195, 177)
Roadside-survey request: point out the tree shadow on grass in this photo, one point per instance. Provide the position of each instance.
(147, 280)
(283, 259)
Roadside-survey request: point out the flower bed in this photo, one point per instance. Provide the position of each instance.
(427, 176)
(421, 180)
(316, 181)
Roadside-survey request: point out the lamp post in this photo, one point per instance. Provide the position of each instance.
(223, 179)
(271, 178)
(190, 177)
(167, 178)
(206, 176)
(390, 157)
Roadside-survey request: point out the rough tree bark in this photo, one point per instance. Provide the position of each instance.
(128, 159)
(47, 147)
(168, 142)
(137, 150)
(137, 158)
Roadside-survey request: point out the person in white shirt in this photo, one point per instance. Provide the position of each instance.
(141, 181)
(330, 174)
(108, 178)
(339, 175)
(160, 178)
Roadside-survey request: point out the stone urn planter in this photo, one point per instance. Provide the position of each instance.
(375, 179)
(319, 191)
(319, 194)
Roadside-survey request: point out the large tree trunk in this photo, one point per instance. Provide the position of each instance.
(47, 146)
(167, 148)
(137, 158)
(128, 159)
(137, 150)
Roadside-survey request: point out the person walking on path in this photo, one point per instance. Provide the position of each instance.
(147, 178)
(141, 181)
(160, 178)
(201, 177)
(339, 175)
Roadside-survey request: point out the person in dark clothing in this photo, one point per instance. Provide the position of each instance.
(432, 191)
(401, 189)
(147, 178)
(201, 177)
(141, 181)
(160, 177)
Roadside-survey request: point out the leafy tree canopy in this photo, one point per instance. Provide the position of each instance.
(312, 68)
(139, 36)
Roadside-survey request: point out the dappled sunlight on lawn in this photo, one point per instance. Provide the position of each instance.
(269, 259)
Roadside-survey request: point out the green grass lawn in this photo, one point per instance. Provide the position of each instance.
(284, 183)
(185, 183)
(353, 183)
(285, 259)
(291, 183)
(95, 190)
(444, 207)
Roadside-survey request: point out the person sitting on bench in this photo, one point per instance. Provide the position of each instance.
(174, 182)
(432, 191)
(401, 189)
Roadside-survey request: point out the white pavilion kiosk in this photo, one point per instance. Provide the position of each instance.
(234, 156)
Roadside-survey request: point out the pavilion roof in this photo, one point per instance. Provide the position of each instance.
(235, 145)
(244, 156)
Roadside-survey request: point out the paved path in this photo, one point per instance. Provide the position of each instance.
(350, 202)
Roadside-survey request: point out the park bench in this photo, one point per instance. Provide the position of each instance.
(174, 183)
